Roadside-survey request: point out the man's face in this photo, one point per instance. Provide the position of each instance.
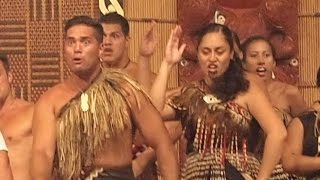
(81, 49)
(115, 44)
(5, 81)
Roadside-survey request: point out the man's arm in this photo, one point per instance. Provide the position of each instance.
(44, 139)
(174, 129)
(150, 124)
(5, 170)
(146, 50)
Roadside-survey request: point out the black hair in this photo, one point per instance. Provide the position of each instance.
(115, 18)
(88, 21)
(213, 27)
(232, 82)
(5, 61)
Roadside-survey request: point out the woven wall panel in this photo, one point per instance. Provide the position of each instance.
(13, 36)
(12, 10)
(20, 80)
(31, 34)
(309, 41)
(45, 69)
(43, 10)
(13, 41)
(164, 9)
(44, 37)
(71, 8)
(139, 13)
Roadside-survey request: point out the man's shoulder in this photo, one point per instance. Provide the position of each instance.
(25, 106)
(24, 103)
(53, 92)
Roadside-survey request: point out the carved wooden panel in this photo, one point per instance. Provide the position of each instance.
(273, 19)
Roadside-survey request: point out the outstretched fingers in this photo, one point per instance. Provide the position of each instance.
(173, 51)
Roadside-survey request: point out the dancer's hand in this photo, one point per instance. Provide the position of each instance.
(149, 42)
(173, 52)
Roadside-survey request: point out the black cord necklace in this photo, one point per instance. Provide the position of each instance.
(126, 65)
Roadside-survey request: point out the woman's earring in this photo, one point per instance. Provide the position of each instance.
(273, 76)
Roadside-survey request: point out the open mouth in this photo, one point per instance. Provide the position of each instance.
(212, 70)
(77, 60)
(212, 67)
(261, 71)
(107, 50)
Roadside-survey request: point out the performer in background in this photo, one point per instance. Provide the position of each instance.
(4, 161)
(15, 123)
(301, 154)
(115, 55)
(259, 59)
(287, 101)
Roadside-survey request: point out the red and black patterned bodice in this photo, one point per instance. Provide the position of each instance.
(210, 124)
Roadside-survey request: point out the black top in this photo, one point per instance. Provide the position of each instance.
(310, 140)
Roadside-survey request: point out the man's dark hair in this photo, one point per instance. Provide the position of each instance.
(5, 61)
(115, 18)
(88, 21)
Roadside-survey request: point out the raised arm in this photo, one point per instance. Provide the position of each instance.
(292, 159)
(173, 55)
(5, 169)
(44, 139)
(150, 124)
(260, 107)
(146, 50)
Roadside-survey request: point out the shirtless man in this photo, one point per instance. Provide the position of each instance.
(115, 55)
(115, 48)
(88, 129)
(4, 161)
(15, 124)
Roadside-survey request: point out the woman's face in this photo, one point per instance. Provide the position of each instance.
(259, 59)
(214, 54)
